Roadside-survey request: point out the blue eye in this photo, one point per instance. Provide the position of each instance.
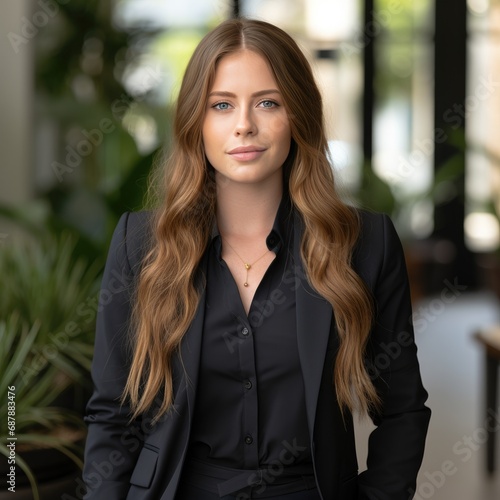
(268, 104)
(221, 105)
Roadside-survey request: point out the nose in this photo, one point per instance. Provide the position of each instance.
(245, 124)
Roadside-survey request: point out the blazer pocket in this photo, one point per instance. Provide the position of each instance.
(144, 468)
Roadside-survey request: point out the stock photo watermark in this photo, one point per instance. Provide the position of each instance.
(265, 309)
(462, 452)
(93, 138)
(391, 351)
(381, 19)
(131, 441)
(30, 27)
(88, 310)
(276, 468)
(454, 116)
(431, 311)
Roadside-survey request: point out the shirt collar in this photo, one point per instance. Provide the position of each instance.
(283, 222)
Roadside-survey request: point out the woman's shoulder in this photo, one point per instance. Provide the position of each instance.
(371, 221)
(133, 236)
(375, 227)
(378, 244)
(139, 224)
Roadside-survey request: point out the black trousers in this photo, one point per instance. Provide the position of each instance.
(190, 492)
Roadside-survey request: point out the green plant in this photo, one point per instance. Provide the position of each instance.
(44, 283)
(46, 346)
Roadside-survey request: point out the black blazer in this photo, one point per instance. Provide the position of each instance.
(144, 462)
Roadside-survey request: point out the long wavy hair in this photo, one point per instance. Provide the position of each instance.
(167, 293)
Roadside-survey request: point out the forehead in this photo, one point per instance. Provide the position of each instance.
(243, 67)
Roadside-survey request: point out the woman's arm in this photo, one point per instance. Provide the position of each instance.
(112, 444)
(396, 446)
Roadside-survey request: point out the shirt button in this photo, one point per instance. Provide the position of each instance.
(244, 331)
(271, 241)
(247, 384)
(248, 439)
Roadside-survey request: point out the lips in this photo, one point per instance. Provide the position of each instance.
(246, 153)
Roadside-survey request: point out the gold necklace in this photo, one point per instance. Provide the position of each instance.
(247, 265)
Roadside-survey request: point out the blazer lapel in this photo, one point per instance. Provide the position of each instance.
(314, 318)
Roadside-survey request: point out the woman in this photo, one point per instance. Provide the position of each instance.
(261, 312)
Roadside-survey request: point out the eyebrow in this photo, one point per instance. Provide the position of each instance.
(223, 93)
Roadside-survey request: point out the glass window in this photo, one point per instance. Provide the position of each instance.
(330, 33)
(404, 105)
(482, 230)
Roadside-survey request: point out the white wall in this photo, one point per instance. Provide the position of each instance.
(16, 104)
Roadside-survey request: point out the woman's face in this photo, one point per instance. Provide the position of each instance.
(246, 132)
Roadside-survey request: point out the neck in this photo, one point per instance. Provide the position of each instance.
(247, 210)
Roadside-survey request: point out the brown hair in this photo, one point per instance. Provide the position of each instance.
(167, 297)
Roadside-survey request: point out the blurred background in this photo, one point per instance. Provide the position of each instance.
(412, 99)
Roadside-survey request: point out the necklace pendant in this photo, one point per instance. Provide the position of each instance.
(245, 284)
(248, 266)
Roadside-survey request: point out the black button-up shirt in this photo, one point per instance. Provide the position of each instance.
(250, 405)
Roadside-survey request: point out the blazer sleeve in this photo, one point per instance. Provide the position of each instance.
(113, 444)
(396, 446)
